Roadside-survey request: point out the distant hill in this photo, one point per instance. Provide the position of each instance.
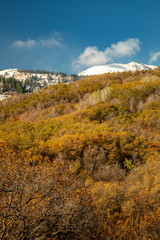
(116, 67)
(33, 78)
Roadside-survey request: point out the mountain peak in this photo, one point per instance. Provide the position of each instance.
(116, 67)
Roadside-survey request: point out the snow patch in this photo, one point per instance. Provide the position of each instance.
(116, 67)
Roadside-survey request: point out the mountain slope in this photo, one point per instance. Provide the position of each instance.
(8, 72)
(87, 148)
(116, 67)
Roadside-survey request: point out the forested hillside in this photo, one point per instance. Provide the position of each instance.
(81, 160)
(10, 85)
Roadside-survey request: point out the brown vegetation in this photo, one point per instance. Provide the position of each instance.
(81, 161)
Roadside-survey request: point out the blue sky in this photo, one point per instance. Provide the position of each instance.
(72, 35)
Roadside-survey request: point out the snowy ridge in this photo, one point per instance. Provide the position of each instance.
(116, 67)
(8, 72)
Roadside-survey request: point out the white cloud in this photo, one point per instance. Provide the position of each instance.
(30, 43)
(154, 57)
(49, 42)
(24, 44)
(123, 48)
(92, 56)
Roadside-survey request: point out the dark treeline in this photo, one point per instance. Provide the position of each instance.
(42, 72)
(36, 71)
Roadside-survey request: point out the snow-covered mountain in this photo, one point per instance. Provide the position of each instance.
(8, 72)
(116, 67)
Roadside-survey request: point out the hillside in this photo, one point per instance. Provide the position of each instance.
(82, 160)
(30, 79)
(116, 67)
